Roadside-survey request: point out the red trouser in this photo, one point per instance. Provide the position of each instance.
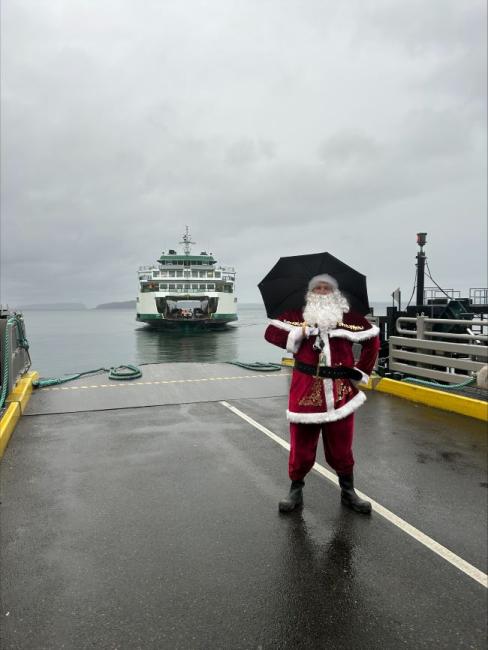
(337, 439)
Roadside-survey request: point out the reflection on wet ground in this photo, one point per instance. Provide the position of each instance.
(159, 528)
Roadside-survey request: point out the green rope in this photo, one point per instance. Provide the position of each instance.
(117, 372)
(257, 365)
(21, 342)
(436, 384)
(125, 372)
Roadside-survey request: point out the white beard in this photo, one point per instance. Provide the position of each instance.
(325, 311)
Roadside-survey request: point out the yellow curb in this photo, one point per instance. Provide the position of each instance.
(7, 424)
(16, 402)
(22, 390)
(473, 408)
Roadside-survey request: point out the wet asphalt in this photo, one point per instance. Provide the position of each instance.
(158, 527)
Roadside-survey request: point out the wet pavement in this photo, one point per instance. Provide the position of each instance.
(158, 527)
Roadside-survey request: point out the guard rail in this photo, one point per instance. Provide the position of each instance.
(418, 354)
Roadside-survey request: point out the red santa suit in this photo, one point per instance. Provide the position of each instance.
(326, 404)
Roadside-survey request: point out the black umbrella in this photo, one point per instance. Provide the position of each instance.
(284, 287)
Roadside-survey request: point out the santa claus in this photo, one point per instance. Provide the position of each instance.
(323, 391)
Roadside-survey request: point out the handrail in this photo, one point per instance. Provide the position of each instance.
(421, 354)
(441, 321)
(422, 332)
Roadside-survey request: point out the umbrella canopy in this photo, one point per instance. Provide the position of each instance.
(285, 286)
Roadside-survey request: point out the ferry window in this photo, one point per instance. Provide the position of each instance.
(194, 286)
(179, 274)
(171, 274)
(171, 286)
(202, 286)
(202, 274)
(211, 286)
(210, 274)
(155, 274)
(194, 274)
(187, 286)
(162, 287)
(187, 263)
(217, 274)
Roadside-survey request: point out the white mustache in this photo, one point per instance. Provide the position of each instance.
(325, 311)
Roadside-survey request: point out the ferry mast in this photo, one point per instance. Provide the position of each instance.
(187, 242)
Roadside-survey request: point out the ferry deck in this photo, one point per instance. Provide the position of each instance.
(144, 514)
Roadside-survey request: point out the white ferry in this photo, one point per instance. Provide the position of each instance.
(186, 292)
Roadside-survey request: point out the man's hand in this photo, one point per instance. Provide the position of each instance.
(309, 331)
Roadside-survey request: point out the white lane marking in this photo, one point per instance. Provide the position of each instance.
(407, 528)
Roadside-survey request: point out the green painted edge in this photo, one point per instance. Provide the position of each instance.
(149, 317)
(187, 258)
(226, 316)
(160, 317)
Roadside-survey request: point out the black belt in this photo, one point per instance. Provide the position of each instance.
(337, 372)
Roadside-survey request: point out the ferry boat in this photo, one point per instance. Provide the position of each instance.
(186, 292)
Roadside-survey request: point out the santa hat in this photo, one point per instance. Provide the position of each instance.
(322, 278)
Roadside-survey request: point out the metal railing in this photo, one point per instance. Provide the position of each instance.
(192, 292)
(418, 354)
(476, 328)
(434, 293)
(479, 295)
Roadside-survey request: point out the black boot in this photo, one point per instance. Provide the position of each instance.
(294, 498)
(349, 497)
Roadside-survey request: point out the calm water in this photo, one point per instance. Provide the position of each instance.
(75, 341)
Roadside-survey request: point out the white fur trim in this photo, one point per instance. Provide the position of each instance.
(282, 325)
(356, 337)
(364, 379)
(324, 277)
(294, 340)
(328, 382)
(328, 416)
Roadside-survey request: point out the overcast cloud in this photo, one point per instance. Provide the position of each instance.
(270, 127)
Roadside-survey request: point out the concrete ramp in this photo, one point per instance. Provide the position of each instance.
(128, 524)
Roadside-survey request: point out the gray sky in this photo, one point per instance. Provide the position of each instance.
(270, 127)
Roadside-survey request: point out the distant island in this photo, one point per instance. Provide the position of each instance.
(126, 304)
(53, 306)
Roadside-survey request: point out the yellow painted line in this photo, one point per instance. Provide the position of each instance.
(156, 383)
(16, 402)
(437, 398)
(22, 390)
(7, 424)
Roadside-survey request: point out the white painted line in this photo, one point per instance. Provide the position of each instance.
(407, 528)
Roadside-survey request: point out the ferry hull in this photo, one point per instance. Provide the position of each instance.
(186, 325)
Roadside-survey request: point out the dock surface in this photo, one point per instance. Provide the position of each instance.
(144, 514)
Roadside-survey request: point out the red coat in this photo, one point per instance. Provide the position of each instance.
(314, 399)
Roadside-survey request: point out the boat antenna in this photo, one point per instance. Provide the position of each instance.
(187, 242)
